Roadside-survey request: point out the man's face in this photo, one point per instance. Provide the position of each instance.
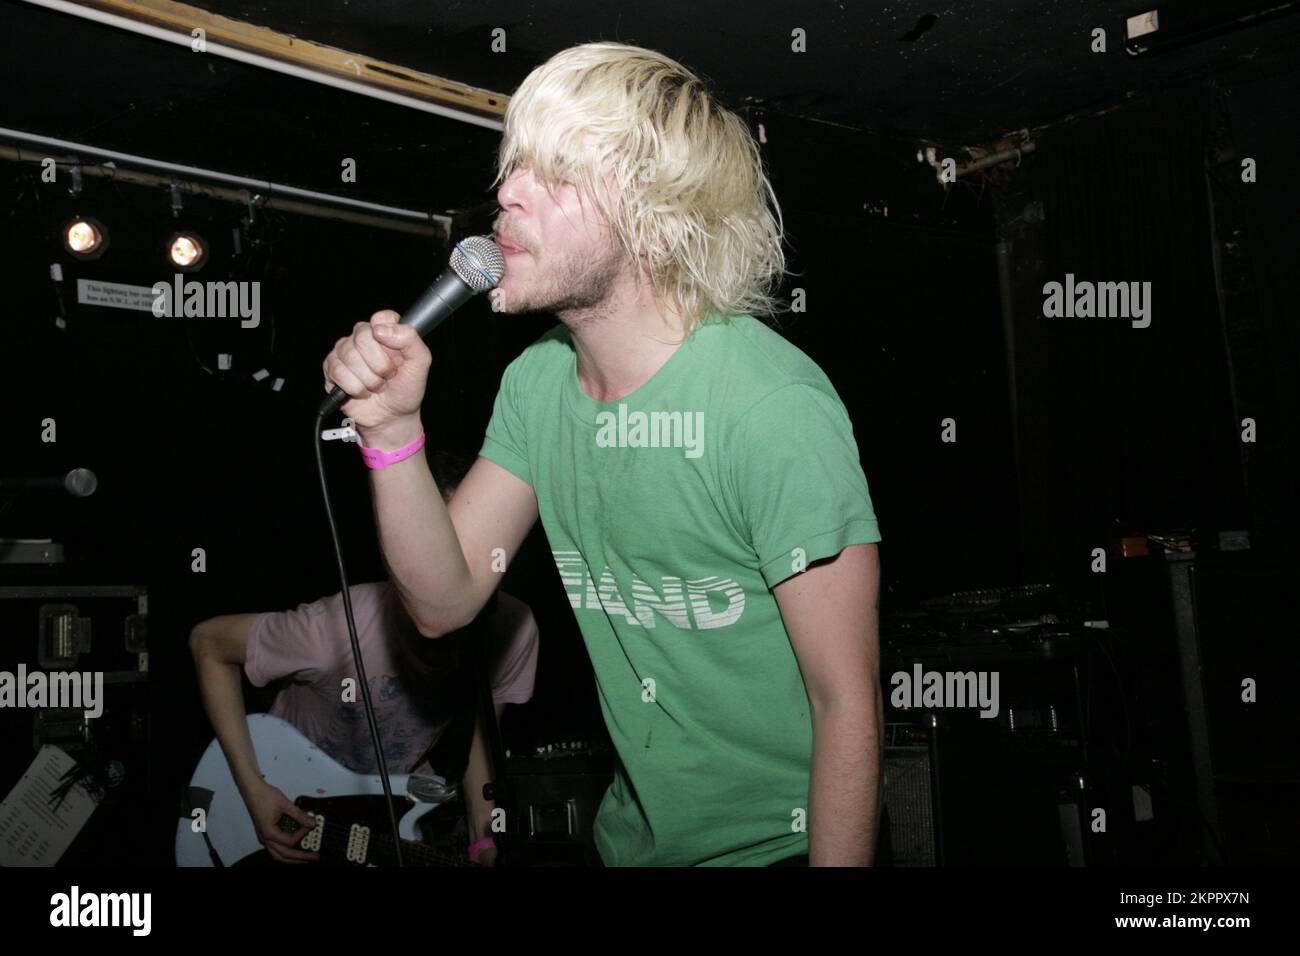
(560, 255)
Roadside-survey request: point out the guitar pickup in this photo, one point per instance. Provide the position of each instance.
(311, 842)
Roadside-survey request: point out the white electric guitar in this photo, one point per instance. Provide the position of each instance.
(352, 824)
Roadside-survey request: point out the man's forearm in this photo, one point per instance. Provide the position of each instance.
(416, 535)
(479, 810)
(223, 699)
(844, 791)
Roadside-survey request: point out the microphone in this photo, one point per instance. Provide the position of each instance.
(477, 264)
(80, 483)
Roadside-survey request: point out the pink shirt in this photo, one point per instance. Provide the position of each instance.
(310, 646)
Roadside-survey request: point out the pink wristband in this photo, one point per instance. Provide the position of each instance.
(486, 841)
(376, 459)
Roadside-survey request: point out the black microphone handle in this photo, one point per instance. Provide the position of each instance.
(430, 310)
(79, 482)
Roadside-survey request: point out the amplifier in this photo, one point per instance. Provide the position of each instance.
(557, 790)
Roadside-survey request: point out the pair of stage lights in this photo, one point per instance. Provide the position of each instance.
(86, 238)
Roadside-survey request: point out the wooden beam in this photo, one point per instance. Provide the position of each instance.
(183, 19)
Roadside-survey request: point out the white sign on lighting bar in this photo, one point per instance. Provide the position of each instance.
(1143, 23)
(115, 295)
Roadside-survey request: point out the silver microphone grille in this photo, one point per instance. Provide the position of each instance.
(479, 262)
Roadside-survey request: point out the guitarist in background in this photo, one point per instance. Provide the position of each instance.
(414, 685)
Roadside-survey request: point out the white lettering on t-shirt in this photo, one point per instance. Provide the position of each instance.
(684, 604)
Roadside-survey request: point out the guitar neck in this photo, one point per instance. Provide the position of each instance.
(414, 853)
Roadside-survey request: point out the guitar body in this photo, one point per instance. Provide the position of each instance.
(352, 821)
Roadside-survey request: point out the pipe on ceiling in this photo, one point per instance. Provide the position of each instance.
(211, 175)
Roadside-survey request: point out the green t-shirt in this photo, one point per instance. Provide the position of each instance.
(668, 531)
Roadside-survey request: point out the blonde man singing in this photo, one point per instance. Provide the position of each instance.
(696, 475)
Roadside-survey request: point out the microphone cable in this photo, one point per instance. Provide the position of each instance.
(356, 644)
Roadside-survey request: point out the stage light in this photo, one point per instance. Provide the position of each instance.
(187, 251)
(85, 238)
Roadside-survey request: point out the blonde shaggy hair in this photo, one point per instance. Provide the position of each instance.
(691, 196)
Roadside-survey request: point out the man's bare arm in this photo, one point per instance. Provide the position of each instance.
(832, 614)
(220, 647)
(439, 556)
(477, 773)
(439, 561)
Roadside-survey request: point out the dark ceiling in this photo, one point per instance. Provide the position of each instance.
(958, 74)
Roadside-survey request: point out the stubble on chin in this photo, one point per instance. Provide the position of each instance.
(577, 291)
(584, 291)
